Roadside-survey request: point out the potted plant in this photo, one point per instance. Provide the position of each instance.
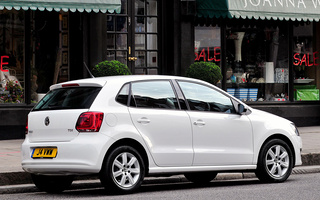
(110, 68)
(206, 71)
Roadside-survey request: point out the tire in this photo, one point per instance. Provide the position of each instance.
(201, 177)
(52, 184)
(275, 162)
(123, 171)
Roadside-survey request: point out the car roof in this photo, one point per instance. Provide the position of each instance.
(101, 81)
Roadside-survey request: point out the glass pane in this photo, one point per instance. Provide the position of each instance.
(111, 55)
(152, 60)
(122, 24)
(140, 71)
(305, 55)
(140, 25)
(110, 23)
(110, 41)
(141, 59)
(122, 57)
(139, 7)
(207, 44)
(122, 41)
(152, 71)
(203, 98)
(152, 42)
(12, 59)
(140, 41)
(152, 25)
(152, 7)
(154, 94)
(257, 63)
(124, 7)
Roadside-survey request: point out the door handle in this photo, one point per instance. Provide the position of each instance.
(143, 120)
(199, 123)
(132, 58)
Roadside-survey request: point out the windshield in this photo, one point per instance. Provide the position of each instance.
(68, 98)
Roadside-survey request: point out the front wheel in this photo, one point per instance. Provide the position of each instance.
(123, 170)
(275, 161)
(52, 184)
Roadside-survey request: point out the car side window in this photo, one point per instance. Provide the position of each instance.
(154, 94)
(123, 94)
(203, 98)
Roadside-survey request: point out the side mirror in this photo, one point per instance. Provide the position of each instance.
(241, 108)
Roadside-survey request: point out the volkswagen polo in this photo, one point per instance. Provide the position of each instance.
(125, 128)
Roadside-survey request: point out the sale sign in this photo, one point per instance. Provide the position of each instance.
(205, 54)
(307, 59)
(3, 63)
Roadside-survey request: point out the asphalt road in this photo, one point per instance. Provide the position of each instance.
(302, 186)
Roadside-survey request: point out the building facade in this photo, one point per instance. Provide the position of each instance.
(268, 51)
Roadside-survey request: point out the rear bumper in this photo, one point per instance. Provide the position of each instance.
(82, 155)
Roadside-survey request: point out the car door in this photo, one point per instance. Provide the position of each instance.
(164, 127)
(220, 135)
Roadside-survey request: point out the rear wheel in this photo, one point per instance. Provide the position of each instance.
(52, 184)
(123, 171)
(275, 161)
(201, 177)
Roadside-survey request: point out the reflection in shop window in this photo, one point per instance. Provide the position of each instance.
(12, 56)
(305, 63)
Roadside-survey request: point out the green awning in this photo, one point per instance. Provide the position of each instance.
(64, 5)
(260, 9)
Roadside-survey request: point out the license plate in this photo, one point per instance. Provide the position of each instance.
(44, 152)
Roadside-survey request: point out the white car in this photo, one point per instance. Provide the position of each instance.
(127, 127)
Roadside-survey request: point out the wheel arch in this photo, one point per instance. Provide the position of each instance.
(132, 143)
(285, 139)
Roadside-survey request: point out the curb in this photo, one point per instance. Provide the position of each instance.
(24, 177)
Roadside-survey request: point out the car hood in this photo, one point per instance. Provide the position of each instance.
(268, 116)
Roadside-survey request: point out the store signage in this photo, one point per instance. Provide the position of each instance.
(205, 54)
(280, 3)
(3, 63)
(305, 59)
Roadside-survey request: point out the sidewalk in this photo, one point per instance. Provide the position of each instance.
(11, 172)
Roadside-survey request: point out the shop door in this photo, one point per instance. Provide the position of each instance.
(133, 36)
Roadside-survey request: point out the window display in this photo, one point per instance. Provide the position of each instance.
(305, 62)
(257, 62)
(12, 56)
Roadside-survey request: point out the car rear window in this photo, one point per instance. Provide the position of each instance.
(68, 98)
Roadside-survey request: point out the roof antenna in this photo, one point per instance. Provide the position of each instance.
(88, 70)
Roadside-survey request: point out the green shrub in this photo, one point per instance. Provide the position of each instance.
(110, 68)
(206, 71)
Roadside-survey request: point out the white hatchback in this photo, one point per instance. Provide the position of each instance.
(127, 127)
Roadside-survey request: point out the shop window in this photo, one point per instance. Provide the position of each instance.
(12, 56)
(257, 62)
(207, 44)
(305, 63)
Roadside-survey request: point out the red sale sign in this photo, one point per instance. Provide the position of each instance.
(3, 63)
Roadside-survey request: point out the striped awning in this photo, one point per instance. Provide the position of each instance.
(64, 5)
(295, 10)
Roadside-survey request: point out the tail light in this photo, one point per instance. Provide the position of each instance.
(26, 129)
(89, 122)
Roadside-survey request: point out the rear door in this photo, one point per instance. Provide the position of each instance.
(164, 127)
(54, 117)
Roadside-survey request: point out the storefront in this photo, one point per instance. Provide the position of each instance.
(268, 51)
(47, 42)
